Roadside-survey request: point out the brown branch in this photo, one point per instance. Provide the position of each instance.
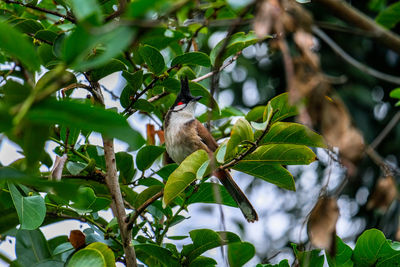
(130, 221)
(67, 17)
(349, 59)
(121, 9)
(353, 16)
(389, 127)
(117, 204)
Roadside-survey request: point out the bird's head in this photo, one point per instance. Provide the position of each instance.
(185, 101)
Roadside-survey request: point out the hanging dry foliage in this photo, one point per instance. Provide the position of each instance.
(77, 239)
(384, 193)
(150, 134)
(321, 225)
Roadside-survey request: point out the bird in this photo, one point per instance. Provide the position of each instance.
(184, 134)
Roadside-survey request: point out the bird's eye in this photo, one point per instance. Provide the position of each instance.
(180, 103)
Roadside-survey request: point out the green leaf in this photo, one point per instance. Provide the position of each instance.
(139, 8)
(204, 170)
(105, 251)
(284, 154)
(184, 175)
(87, 257)
(206, 239)
(31, 210)
(147, 155)
(198, 90)
(293, 133)
(153, 59)
(206, 193)
(88, 9)
(282, 263)
(237, 42)
(85, 200)
(146, 194)
(220, 152)
(256, 114)
(70, 113)
(46, 35)
(75, 167)
(275, 174)
(239, 253)
(49, 263)
(29, 26)
(281, 107)
(31, 247)
(241, 131)
(395, 93)
(192, 58)
(166, 171)
(143, 105)
(309, 258)
(13, 43)
(372, 249)
(153, 255)
(125, 166)
(112, 66)
(135, 79)
(202, 261)
(342, 257)
(390, 16)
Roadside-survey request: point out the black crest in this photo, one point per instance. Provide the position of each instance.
(184, 95)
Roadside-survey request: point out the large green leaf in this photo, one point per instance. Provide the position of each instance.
(206, 239)
(29, 26)
(282, 263)
(86, 117)
(153, 59)
(309, 258)
(390, 16)
(202, 261)
(372, 249)
(281, 107)
(342, 257)
(146, 194)
(184, 175)
(31, 209)
(275, 174)
(153, 255)
(85, 200)
(31, 247)
(125, 166)
(14, 44)
(239, 253)
(241, 131)
(112, 66)
(237, 42)
(192, 58)
(87, 257)
(284, 154)
(207, 193)
(147, 155)
(107, 253)
(293, 133)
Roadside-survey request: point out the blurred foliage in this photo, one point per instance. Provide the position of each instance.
(51, 48)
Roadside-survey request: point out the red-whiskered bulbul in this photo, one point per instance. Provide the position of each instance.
(184, 134)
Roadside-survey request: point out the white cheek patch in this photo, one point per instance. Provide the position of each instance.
(180, 107)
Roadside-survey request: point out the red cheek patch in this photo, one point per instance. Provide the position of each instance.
(180, 103)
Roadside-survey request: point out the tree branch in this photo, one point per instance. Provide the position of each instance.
(389, 127)
(121, 9)
(130, 221)
(339, 51)
(117, 204)
(67, 17)
(353, 16)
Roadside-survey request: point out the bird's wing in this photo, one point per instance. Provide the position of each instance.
(205, 136)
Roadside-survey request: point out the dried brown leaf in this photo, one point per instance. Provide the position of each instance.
(150, 134)
(321, 225)
(77, 239)
(384, 193)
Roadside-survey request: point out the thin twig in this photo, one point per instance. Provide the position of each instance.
(349, 59)
(67, 17)
(121, 9)
(142, 208)
(389, 127)
(350, 14)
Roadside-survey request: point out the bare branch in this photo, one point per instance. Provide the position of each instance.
(389, 127)
(67, 17)
(117, 204)
(339, 51)
(353, 16)
(142, 208)
(121, 9)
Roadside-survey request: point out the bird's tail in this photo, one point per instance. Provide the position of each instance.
(237, 194)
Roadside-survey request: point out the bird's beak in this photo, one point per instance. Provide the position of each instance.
(197, 98)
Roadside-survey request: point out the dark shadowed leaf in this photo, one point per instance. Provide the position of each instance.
(390, 16)
(153, 59)
(113, 66)
(146, 194)
(309, 258)
(154, 255)
(206, 193)
(31, 247)
(241, 131)
(342, 257)
(192, 58)
(202, 261)
(86, 10)
(125, 166)
(147, 155)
